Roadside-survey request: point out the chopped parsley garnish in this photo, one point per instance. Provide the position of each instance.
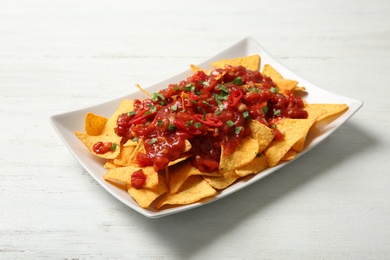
(237, 81)
(230, 123)
(264, 109)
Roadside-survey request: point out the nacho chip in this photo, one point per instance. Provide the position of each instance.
(244, 153)
(281, 83)
(251, 62)
(146, 196)
(123, 175)
(195, 68)
(140, 148)
(124, 157)
(130, 143)
(125, 106)
(94, 124)
(294, 130)
(289, 155)
(89, 141)
(178, 174)
(110, 164)
(255, 166)
(193, 190)
(300, 144)
(223, 181)
(331, 110)
(263, 134)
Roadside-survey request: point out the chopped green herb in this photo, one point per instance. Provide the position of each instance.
(246, 114)
(238, 81)
(134, 139)
(152, 108)
(277, 112)
(204, 83)
(189, 87)
(238, 129)
(174, 107)
(197, 124)
(159, 123)
(113, 146)
(222, 96)
(264, 109)
(207, 103)
(253, 89)
(189, 123)
(274, 90)
(156, 96)
(219, 103)
(131, 113)
(230, 123)
(223, 88)
(152, 141)
(171, 127)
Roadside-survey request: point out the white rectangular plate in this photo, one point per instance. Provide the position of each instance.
(65, 125)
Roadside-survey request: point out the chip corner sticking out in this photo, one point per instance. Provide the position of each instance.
(194, 189)
(94, 124)
(146, 196)
(251, 62)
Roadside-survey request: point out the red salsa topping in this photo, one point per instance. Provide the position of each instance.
(138, 179)
(209, 111)
(103, 147)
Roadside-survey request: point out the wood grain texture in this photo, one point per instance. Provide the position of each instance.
(57, 56)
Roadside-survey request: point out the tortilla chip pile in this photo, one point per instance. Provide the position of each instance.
(181, 183)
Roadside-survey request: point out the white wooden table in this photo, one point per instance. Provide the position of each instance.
(57, 56)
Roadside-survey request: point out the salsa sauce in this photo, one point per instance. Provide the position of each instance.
(209, 111)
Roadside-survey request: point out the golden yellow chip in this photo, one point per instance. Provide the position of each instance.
(140, 148)
(179, 173)
(124, 107)
(245, 152)
(124, 157)
(195, 68)
(300, 144)
(223, 181)
(294, 130)
(289, 155)
(255, 166)
(94, 124)
(146, 196)
(89, 141)
(251, 62)
(331, 110)
(123, 175)
(271, 72)
(130, 143)
(262, 133)
(193, 190)
(281, 83)
(183, 157)
(110, 164)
